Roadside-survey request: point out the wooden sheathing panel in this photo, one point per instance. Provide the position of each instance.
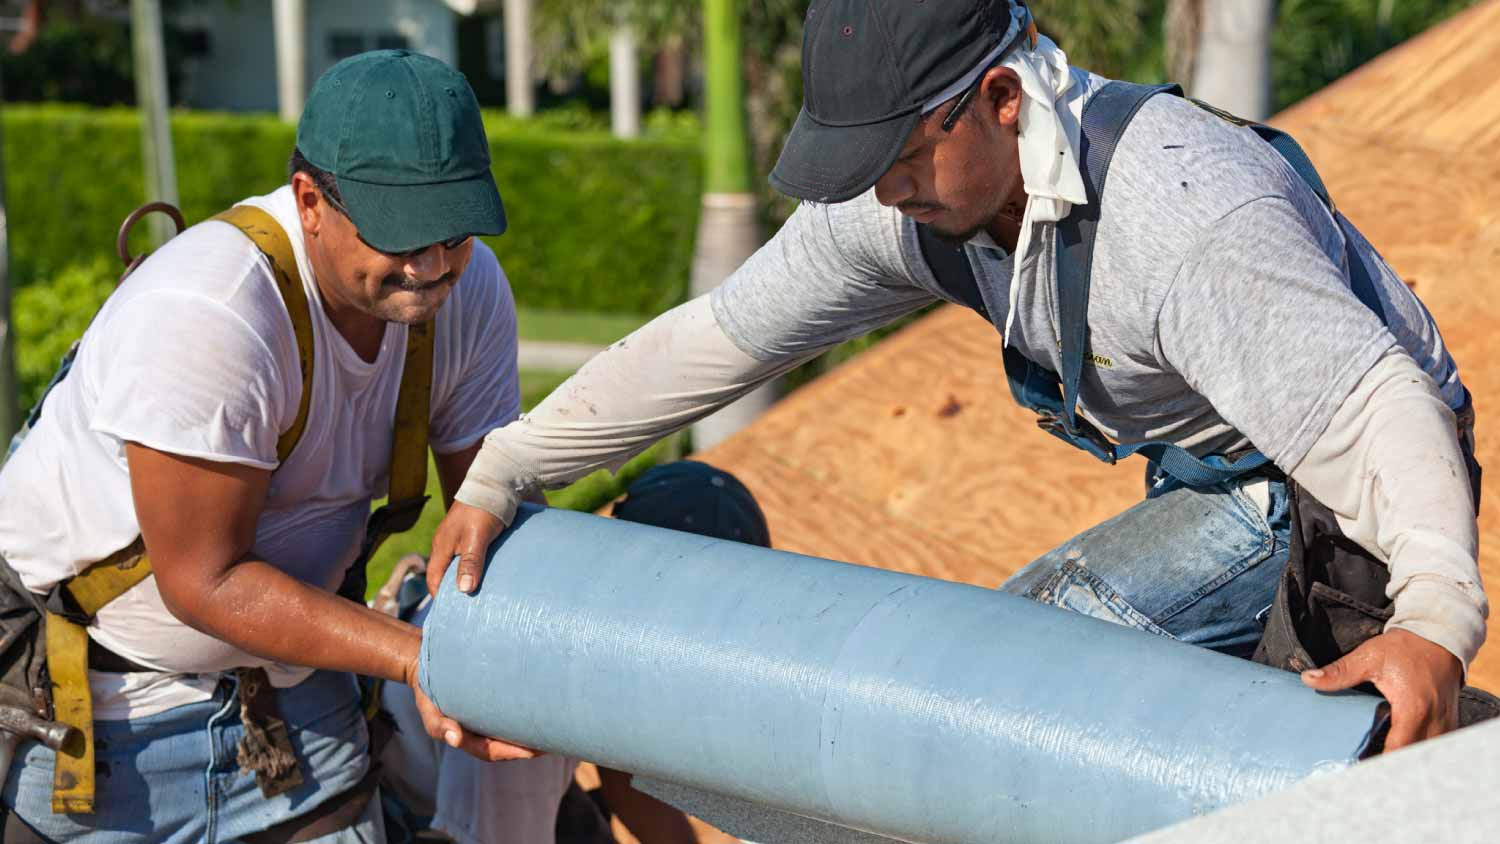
(1439, 88)
(913, 457)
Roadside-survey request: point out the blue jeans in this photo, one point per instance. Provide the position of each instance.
(173, 777)
(1198, 566)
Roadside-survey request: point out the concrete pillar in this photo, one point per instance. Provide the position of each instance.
(290, 18)
(520, 98)
(624, 82)
(1232, 69)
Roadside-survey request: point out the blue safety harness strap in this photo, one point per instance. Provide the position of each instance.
(1361, 283)
(1054, 398)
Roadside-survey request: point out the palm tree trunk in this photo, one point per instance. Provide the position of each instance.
(1233, 66)
(289, 18)
(1180, 38)
(729, 225)
(520, 98)
(624, 82)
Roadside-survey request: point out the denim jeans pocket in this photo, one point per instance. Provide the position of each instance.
(1195, 565)
(1075, 588)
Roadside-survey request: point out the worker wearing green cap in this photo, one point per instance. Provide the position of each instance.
(228, 418)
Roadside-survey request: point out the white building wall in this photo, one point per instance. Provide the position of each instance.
(239, 71)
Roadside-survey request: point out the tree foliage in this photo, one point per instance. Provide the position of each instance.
(568, 34)
(1317, 41)
(1121, 39)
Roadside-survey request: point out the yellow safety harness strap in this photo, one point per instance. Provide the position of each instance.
(407, 493)
(270, 238)
(109, 579)
(73, 766)
(103, 582)
(408, 478)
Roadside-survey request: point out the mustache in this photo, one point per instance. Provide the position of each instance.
(915, 206)
(413, 285)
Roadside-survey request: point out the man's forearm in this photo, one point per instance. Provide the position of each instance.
(263, 611)
(670, 373)
(1390, 467)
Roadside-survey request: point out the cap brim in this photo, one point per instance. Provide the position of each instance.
(822, 163)
(398, 218)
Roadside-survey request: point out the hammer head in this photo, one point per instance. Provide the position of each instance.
(26, 724)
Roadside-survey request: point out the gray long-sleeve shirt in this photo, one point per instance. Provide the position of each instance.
(1220, 312)
(1220, 316)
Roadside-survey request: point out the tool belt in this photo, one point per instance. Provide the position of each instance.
(1332, 593)
(45, 649)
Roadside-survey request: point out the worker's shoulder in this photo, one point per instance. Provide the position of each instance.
(209, 267)
(1177, 155)
(871, 239)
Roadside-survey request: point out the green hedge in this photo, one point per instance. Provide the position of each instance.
(595, 223)
(49, 317)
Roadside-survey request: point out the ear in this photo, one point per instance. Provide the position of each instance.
(310, 205)
(1001, 92)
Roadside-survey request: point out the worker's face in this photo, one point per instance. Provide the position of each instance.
(957, 181)
(407, 289)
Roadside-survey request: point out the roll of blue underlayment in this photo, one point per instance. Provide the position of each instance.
(877, 702)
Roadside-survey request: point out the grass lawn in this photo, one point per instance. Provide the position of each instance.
(590, 493)
(595, 329)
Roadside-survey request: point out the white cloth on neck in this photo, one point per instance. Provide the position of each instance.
(1051, 114)
(1047, 131)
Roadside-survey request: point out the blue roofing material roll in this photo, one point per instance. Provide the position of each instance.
(911, 708)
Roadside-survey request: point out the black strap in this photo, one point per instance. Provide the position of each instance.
(950, 266)
(1105, 117)
(1054, 396)
(106, 660)
(335, 814)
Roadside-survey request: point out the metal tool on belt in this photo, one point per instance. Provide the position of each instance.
(17, 724)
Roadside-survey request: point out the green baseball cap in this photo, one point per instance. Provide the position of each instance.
(401, 134)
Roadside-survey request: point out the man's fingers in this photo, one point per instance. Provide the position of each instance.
(1345, 673)
(494, 750)
(481, 747)
(470, 564)
(437, 565)
(1406, 728)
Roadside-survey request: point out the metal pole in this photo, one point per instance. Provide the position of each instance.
(290, 21)
(10, 412)
(520, 99)
(728, 223)
(151, 96)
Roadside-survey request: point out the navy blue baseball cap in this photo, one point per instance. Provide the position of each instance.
(696, 498)
(868, 69)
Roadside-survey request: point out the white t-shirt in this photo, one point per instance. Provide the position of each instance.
(195, 355)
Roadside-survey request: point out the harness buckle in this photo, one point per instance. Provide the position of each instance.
(1084, 436)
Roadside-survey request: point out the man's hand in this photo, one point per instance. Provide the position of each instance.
(1421, 681)
(450, 732)
(467, 533)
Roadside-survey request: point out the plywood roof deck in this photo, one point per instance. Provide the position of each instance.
(913, 456)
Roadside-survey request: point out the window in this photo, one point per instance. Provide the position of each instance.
(494, 47)
(342, 45)
(197, 43)
(391, 41)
